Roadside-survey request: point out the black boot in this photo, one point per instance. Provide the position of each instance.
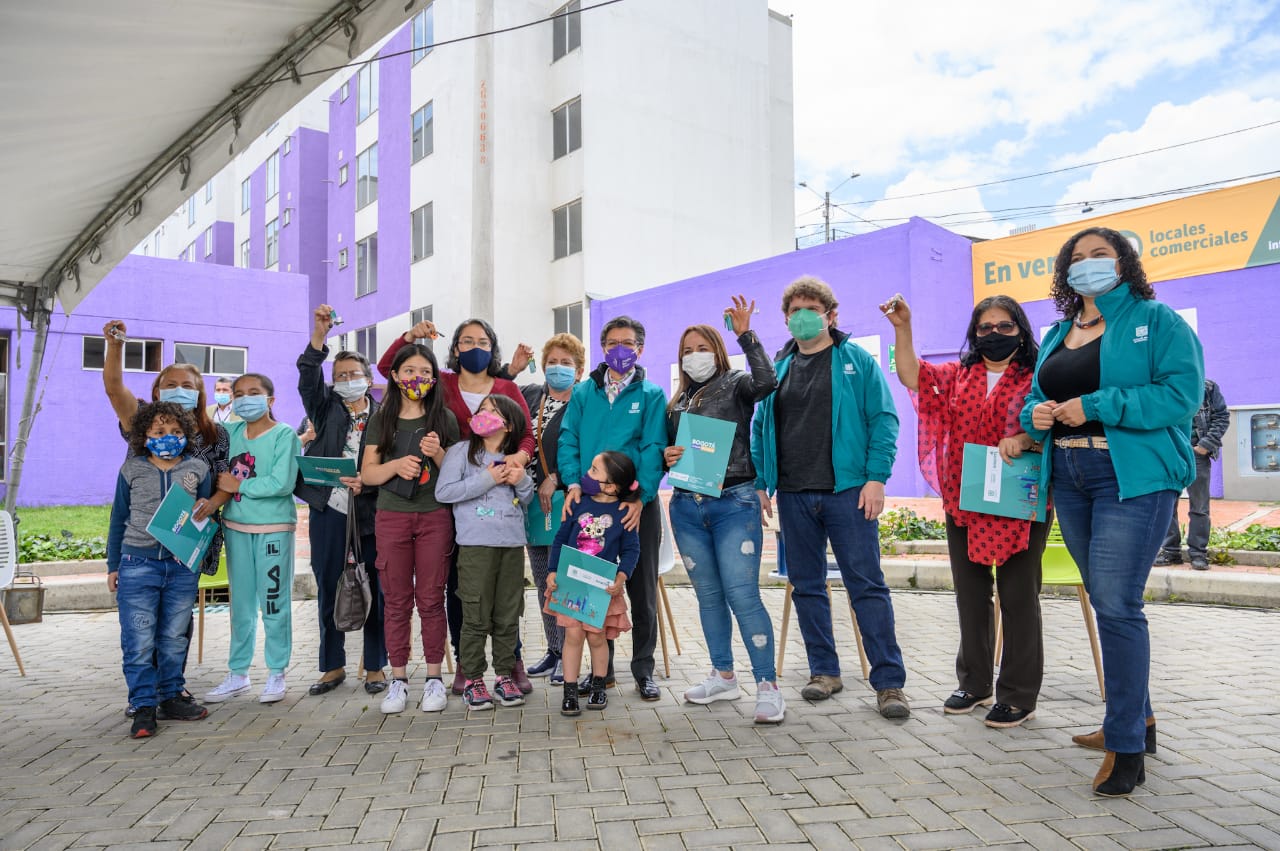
(598, 699)
(569, 706)
(1120, 772)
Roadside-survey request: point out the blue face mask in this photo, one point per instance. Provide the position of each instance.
(1093, 276)
(184, 397)
(223, 399)
(169, 446)
(475, 361)
(250, 408)
(560, 377)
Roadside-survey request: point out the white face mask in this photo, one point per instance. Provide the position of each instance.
(699, 366)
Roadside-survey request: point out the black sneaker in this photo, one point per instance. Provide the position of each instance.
(584, 684)
(599, 699)
(144, 723)
(1199, 563)
(181, 709)
(962, 702)
(1165, 559)
(1004, 715)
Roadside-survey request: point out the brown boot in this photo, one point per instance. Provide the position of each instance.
(1093, 740)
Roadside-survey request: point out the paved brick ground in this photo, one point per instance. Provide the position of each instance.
(332, 771)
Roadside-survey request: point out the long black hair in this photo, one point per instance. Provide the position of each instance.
(1027, 350)
(432, 404)
(513, 415)
(1068, 301)
(622, 474)
(495, 362)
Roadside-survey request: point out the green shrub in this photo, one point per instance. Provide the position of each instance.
(64, 547)
(1256, 537)
(903, 524)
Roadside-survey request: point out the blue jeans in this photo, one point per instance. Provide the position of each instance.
(1114, 542)
(809, 519)
(154, 598)
(719, 541)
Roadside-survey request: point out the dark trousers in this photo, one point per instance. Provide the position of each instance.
(1198, 516)
(328, 530)
(642, 593)
(1018, 583)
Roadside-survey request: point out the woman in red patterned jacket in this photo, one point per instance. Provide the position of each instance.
(978, 400)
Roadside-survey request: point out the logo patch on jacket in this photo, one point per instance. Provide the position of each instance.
(849, 370)
(1140, 334)
(635, 407)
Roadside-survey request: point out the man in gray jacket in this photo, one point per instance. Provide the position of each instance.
(1207, 429)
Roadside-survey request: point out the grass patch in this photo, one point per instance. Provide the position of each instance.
(82, 521)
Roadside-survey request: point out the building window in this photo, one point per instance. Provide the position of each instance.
(273, 243)
(367, 265)
(139, 355)
(423, 132)
(286, 217)
(208, 242)
(423, 233)
(422, 314)
(367, 83)
(566, 32)
(568, 319)
(342, 174)
(288, 145)
(244, 195)
(244, 254)
(567, 128)
(191, 252)
(346, 90)
(208, 192)
(367, 342)
(423, 33)
(216, 360)
(367, 176)
(568, 229)
(342, 258)
(191, 210)
(273, 175)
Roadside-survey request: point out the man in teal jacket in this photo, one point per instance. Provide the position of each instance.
(825, 441)
(617, 408)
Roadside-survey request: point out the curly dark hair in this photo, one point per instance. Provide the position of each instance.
(1068, 301)
(148, 414)
(1027, 349)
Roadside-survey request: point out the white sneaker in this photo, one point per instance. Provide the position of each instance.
(274, 689)
(713, 688)
(770, 707)
(435, 697)
(233, 685)
(397, 697)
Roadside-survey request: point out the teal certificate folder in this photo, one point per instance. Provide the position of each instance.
(173, 526)
(325, 471)
(540, 529)
(582, 587)
(990, 486)
(706, 443)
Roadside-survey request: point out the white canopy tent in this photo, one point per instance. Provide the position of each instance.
(112, 114)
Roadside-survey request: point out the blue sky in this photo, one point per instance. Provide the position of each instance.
(921, 95)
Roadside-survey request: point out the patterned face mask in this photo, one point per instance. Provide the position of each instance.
(416, 389)
(485, 423)
(169, 446)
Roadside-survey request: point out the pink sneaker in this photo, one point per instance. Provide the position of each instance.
(476, 695)
(507, 692)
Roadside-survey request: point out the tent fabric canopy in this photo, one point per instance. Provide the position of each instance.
(114, 113)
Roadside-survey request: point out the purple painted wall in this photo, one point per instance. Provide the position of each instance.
(257, 216)
(224, 238)
(75, 450)
(927, 264)
(309, 159)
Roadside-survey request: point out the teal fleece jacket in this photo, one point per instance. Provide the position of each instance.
(864, 421)
(267, 467)
(1152, 383)
(636, 423)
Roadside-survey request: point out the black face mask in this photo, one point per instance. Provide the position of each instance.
(996, 347)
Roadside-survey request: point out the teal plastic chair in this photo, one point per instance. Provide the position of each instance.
(1057, 567)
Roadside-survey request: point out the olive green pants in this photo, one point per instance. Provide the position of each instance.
(491, 588)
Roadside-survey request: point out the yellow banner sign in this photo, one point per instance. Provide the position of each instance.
(1231, 228)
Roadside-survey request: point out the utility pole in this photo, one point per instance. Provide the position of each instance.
(826, 216)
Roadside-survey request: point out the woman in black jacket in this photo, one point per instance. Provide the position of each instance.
(719, 537)
(563, 360)
(339, 413)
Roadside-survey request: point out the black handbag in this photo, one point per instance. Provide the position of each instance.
(354, 598)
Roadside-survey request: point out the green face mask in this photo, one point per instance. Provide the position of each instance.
(805, 324)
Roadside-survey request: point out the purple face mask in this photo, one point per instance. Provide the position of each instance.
(590, 487)
(621, 359)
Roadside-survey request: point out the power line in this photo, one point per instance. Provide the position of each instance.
(291, 77)
(1071, 167)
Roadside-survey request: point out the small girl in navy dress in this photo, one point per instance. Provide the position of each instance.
(594, 526)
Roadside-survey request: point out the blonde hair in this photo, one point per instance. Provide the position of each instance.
(570, 344)
(808, 286)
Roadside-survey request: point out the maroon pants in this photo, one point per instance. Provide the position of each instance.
(413, 564)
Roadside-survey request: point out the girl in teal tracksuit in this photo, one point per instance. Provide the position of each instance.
(259, 517)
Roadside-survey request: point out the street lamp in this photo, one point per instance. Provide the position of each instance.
(826, 203)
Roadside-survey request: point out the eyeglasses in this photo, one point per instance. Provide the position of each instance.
(630, 344)
(348, 376)
(473, 343)
(1005, 328)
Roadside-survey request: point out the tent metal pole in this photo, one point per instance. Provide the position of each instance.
(41, 314)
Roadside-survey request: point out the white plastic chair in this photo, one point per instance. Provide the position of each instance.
(666, 561)
(8, 567)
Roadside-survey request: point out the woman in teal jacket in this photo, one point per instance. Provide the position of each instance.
(1116, 385)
